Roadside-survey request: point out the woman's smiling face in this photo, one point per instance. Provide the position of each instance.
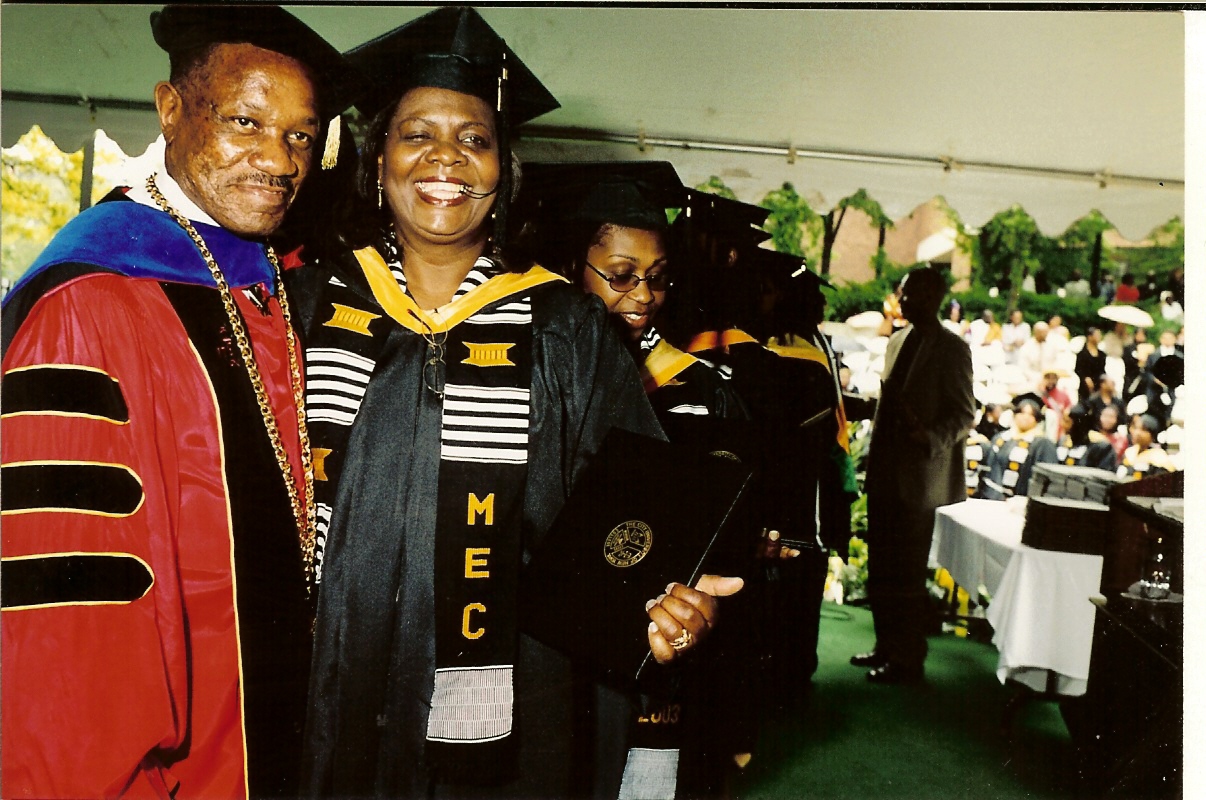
(624, 251)
(439, 144)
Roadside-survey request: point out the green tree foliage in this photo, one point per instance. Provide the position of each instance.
(1010, 245)
(716, 185)
(793, 225)
(832, 222)
(41, 192)
(1166, 254)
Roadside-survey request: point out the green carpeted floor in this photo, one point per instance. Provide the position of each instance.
(940, 740)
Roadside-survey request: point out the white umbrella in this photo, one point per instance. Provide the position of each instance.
(1127, 315)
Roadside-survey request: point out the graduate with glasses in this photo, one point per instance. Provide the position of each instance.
(604, 225)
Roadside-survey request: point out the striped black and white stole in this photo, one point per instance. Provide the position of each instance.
(480, 363)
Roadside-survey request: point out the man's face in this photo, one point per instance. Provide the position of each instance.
(240, 135)
(1168, 339)
(1050, 380)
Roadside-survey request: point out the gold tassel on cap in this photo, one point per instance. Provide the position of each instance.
(330, 153)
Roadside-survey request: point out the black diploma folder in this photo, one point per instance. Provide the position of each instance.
(643, 514)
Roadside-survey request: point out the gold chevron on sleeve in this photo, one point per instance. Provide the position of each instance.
(350, 319)
(488, 355)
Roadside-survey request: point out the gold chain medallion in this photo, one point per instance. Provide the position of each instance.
(628, 543)
(304, 515)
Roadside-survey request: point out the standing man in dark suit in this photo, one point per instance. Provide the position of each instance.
(915, 465)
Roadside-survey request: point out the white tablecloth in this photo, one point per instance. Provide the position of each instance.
(1040, 609)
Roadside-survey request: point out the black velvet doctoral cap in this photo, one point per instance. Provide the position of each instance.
(634, 194)
(449, 48)
(179, 29)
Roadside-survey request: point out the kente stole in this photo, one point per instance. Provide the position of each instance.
(484, 369)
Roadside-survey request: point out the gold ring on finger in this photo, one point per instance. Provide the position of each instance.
(683, 640)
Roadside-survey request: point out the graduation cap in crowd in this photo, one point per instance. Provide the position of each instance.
(634, 194)
(183, 30)
(1029, 399)
(729, 221)
(450, 48)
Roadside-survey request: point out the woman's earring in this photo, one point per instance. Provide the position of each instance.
(380, 199)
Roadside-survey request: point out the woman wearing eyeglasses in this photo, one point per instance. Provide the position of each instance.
(604, 225)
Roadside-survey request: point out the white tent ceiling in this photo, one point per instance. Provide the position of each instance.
(1050, 92)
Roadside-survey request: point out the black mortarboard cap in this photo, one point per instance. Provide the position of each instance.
(1031, 398)
(449, 48)
(179, 29)
(786, 266)
(634, 194)
(728, 220)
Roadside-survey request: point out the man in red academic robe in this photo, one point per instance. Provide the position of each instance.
(157, 485)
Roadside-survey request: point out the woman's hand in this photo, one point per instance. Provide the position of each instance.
(683, 616)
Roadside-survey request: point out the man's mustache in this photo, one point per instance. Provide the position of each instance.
(271, 181)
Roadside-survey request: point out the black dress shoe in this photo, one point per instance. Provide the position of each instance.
(897, 674)
(871, 659)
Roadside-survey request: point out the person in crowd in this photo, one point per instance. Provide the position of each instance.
(1127, 292)
(954, 321)
(1108, 429)
(1080, 447)
(975, 450)
(1164, 374)
(1038, 353)
(1106, 395)
(893, 318)
(1077, 286)
(422, 684)
(1028, 282)
(1134, 360)
(1014, 453)
(1090, 363)
(1058, 330)
(990, 421)
(1150, 288)
(1176, 284)
(159, 525)
(1014, 334)
(1105, 291)
(604, 226)
(916, 463)
(1115, 340)
(1170, 307)
(792, 395)
(985, 331)
(1145, 457)
(1054, 398)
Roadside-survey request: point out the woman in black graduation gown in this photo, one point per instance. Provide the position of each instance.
(1083, 446)
(604, 226)
(452, 403)
(1014, 453)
